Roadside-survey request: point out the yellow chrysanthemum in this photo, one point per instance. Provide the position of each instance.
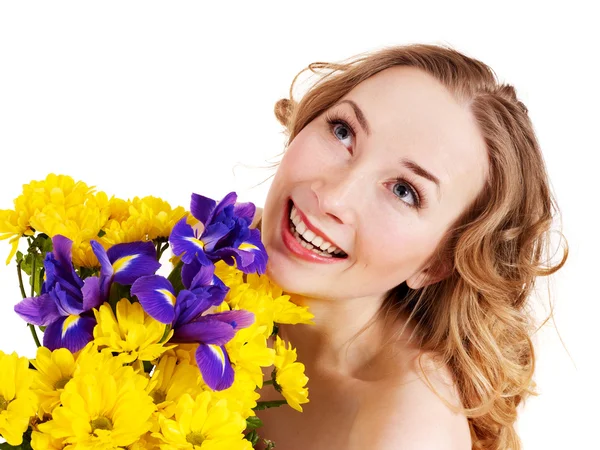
(199, 424)
(248, 352)
(241, 395)
(18, 403)
(54, 370)
(40, 203)
(102, 411)
(172, 380)
(146, 442)
(43, 441)
(289, 375)
(132, 333)
(155, 215)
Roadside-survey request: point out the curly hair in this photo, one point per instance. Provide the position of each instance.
(476, 321)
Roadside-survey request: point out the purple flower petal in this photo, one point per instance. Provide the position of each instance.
(189, 271)
(61, 251)
(185, 244)
(205, 331)
(214, 233)
(238, 319)
(190, 306)
(66, 303)
(202, 207)
(204, 277)
(213, 362)
(41, 311)
(228, 200)
(245, 210)
(157, 297)
(132, 260)
(71, 332)
(105, 264)
(92, 293)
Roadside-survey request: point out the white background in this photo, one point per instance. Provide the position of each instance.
(166, 99)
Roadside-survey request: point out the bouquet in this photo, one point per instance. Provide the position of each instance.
(132, 358)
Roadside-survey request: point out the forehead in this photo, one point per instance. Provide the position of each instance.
(411, 114)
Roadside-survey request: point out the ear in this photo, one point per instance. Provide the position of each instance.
(429, 275)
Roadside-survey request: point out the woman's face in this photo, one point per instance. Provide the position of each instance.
(362, 182)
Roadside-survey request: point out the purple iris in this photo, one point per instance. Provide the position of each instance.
(66, 302)
(226, 236)
(186, 313)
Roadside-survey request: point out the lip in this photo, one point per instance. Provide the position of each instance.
(294, 246)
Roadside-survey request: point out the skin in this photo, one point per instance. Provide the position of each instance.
(346, 185)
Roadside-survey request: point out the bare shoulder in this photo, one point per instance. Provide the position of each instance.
(405, 412)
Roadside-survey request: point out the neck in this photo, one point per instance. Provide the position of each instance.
(333, 344)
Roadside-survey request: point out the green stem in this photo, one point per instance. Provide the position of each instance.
(267, 382)
(31, 326)
(20, 280)
(33, 276)
(272, 404)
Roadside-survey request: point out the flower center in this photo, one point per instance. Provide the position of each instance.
(60, 384)
(101, 423)
(3, 403)
(195, 438)
(158, 396)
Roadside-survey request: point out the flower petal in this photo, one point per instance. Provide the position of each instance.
(185, 244)
(132, 260)
(213, 362)
(66, 303)
(189, 306)
(202, 207)
(92, 294)
(41, 311)
(205, 331)
(157, 297)
(237, 318)
(245, 210)
(105, 264)
(72, 332)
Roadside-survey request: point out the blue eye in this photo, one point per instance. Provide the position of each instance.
(340, 128)
(406, 188)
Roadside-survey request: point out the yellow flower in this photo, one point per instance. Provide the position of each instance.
(146, 442)
(102, 410)
(289, 375)
(18, 403)
(199, 424)
(155, 216)
(172, 380)
(54, 370)
(248, 352)
(286, 311)
(132, 333)
(43, 441)
(55, 191)
(241, 395)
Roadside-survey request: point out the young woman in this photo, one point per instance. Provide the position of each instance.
(411, 213)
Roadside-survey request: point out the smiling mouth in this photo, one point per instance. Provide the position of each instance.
(317, 243)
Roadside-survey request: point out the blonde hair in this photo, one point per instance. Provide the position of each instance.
(476, 320)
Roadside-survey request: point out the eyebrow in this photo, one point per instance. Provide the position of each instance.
(362, 120)
(420, 171)
(406, 162)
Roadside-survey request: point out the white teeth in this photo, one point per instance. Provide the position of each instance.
(317, 241)
(300, 228)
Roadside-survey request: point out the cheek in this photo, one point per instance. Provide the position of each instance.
(399, 247)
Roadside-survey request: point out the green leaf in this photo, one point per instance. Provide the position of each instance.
(252, 437)
(175, 278)
(269, 444)
(266, 405)
(19, 256)
(117, 292)
(101, 233)
(253, 422)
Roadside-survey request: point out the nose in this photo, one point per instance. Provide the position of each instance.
(339, 196)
